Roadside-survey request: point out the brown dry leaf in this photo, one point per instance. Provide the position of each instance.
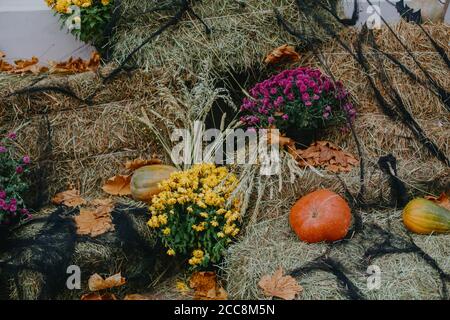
(443, 200)
(69, 198)
(206, 287)
(21, 66)
(280, 286)
(281, 140)
(4, 66)
(327, 155)
(138, 163)
(76, 65)
(27, 66)
(96, 282)
(95, 221)
(284, 53)
(118, 185)
(94, 62)
(98, 296)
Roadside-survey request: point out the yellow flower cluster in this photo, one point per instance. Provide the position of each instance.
(203, 192)
(63, 6)
(197, 257)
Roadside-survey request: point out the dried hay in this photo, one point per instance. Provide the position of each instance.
(242, 32)
(379, 134)
(89, 143)
(270, 244)
(74, 142)
(34, 259)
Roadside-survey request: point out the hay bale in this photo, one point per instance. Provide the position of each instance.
(35, 258)
(403, 276)
(378, 133)
(242, 33)
(73, 142)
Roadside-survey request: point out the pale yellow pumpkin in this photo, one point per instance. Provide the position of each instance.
(425, 217)
(144, 183)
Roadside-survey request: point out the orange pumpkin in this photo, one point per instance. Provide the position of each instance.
(144, 183)
(320, 216)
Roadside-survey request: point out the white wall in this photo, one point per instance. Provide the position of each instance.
(29, 28)
(22, 5)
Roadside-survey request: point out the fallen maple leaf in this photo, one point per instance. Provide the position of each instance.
(69, 198)
(206, 287)
(283, 53)
(95, 221)
(21, 66)
(4, 66)
(27, 66)
(443, 200)
(133, 165)
(98, 296)
(280, 286)
(96, 282)
(76, 65)
(118, 185)
(327, 155)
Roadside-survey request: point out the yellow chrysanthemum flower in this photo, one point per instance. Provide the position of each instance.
(198, 253)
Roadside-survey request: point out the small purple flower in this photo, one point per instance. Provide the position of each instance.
(326, 115)
(12, 135)
(4, 205)
(305, 97)
(278, 101)
(271, 120)
(12, 208)
(2, 194)
(26, 160)
(19, 169)
(285, 117)
(308, 103)
(3, 149)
